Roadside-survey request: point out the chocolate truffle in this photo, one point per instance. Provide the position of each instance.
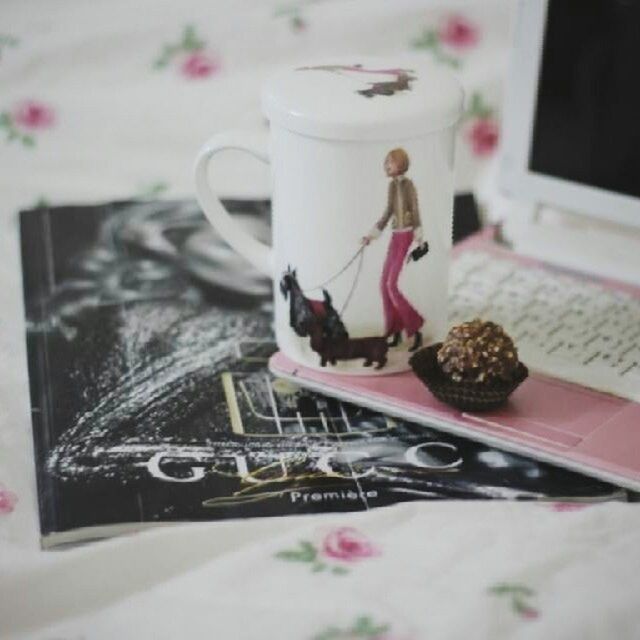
(479, 352)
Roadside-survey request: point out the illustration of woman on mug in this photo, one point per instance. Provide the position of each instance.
(402, 210)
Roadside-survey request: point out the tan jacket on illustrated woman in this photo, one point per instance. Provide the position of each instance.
(402, 209)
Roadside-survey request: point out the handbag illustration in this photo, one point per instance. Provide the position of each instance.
(419, 251)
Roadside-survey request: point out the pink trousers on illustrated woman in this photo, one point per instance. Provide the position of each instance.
(398, 313)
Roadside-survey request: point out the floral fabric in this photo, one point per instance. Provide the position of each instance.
(111, 99)
(340, 548)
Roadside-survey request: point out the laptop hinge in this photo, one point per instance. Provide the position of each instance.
(573, 241)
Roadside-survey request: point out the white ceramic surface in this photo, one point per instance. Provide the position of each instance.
(324, 98)
(331, 130)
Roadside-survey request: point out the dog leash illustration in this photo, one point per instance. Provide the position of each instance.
(355, 281)
(358, 254)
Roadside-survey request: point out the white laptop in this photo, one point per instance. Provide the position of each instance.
(570, 194)
(564, 277)
(570, 163)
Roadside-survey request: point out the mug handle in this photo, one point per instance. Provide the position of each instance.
(256, 252)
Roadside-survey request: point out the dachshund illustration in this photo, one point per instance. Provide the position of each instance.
(332, 349)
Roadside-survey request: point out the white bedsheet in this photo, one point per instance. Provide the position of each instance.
(89, 117)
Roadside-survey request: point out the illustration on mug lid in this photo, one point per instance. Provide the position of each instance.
(400, 80)
(363, 98)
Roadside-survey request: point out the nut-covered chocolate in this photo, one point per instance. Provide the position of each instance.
(479, 352)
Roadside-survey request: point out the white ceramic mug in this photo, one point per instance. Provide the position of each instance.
(361, 154)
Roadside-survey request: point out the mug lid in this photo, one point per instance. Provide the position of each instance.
(363, 98)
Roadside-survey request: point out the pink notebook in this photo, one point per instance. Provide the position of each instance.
(548, 419)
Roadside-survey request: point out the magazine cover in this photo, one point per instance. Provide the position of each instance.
(148, 340)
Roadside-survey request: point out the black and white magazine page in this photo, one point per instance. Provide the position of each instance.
(148, 340)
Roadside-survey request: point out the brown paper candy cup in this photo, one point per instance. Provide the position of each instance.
(466, 396)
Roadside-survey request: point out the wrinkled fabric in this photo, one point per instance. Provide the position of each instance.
(111, 100)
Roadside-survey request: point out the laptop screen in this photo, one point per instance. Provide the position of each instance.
(587, 116)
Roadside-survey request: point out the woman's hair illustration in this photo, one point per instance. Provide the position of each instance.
(400, 159)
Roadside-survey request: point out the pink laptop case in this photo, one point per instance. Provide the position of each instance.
(548, 419)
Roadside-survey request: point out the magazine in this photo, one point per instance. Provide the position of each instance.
(148, 340)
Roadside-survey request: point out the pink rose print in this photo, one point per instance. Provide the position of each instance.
(33, 115)
(24, 120)
(447, 43)
(343, 545)
(196, 63)
(568, 506)
(518, 596)
(459, 33)
(348, 545)
(528, 613)
(8, 501)
(199, 65)
(298, 24)
(483, 136)
(482, 132)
